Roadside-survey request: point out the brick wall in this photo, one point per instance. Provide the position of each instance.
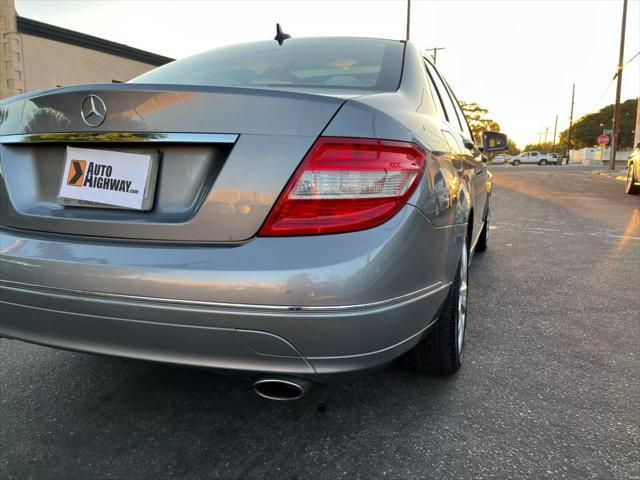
(32, 59)
(12, 75)
(49, 64)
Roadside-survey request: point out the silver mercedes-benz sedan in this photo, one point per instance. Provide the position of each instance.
(297, 210)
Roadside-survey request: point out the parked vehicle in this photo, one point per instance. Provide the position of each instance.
(554, 159)
(532, 157)
(298, 210)
(501, 159)
(632, 183)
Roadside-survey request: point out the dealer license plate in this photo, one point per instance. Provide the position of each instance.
(108, 179)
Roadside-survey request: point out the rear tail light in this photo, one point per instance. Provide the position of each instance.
(346, 184)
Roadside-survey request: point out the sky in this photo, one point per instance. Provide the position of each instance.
(517, 58)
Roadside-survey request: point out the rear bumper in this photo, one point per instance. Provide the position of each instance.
(135, 329)
(335, 314)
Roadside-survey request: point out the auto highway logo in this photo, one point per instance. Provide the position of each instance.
(75, 178)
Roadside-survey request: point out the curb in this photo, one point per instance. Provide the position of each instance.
(621, 178)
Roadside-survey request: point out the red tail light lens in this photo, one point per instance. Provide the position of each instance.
(346, 184)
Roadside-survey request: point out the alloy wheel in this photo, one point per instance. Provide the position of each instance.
(487, 222)
(462, 296)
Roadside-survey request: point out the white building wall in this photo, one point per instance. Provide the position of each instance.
(596, 156)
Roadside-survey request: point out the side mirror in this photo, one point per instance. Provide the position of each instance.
(494, 141)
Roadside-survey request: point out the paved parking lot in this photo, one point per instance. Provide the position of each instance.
(550, 387)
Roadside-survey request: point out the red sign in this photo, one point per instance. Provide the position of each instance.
(603, 139)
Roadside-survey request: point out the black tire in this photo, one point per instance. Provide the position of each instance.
(441, 351)
(483, 240)
(629, 186)
(515, 163)
(542, 163)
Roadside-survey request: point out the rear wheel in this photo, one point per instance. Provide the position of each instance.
(515, 163)
(441, 351)
(630, 187)
(542, 162)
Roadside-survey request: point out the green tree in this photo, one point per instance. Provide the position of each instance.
(513, 148)
(585, 130)
(545, 147)
(478, 120)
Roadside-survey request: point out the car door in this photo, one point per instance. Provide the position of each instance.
(533, 157)
(480, 173)
(470, 160)
(448, 163)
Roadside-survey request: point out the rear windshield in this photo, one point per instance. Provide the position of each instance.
(352, 63)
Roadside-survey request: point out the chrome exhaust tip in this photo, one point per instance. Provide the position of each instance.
(283, 389)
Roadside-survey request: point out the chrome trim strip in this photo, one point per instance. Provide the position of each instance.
(409, 297)
(117, 137)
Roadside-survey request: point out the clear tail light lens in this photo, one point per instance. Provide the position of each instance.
(346, 184)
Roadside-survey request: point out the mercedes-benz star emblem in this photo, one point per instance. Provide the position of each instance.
(93, 111)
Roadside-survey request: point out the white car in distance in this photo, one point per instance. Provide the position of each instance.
(501, 159)
(533, 157)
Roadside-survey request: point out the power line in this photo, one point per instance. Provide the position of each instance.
(606, 90)
(631, 59)
(625, 64)
(434, 55)
(613, 79)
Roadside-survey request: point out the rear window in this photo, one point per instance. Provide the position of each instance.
(352, 63)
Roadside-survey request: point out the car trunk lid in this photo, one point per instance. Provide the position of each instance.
(224, 155)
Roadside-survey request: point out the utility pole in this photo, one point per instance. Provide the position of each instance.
(555, 129)
(435, 52)
(408, 19)
(573, 92)
(546, 132)
(616, 111)
(540, 139)
(636, 136)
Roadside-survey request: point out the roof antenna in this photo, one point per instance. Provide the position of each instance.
(280, 35)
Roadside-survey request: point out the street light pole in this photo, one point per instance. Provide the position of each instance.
(573, 93)
(636, 136)
(546, 132)
(408, 19)
(555, 129)
(616, 111)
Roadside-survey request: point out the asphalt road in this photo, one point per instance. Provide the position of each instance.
(550, 387)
